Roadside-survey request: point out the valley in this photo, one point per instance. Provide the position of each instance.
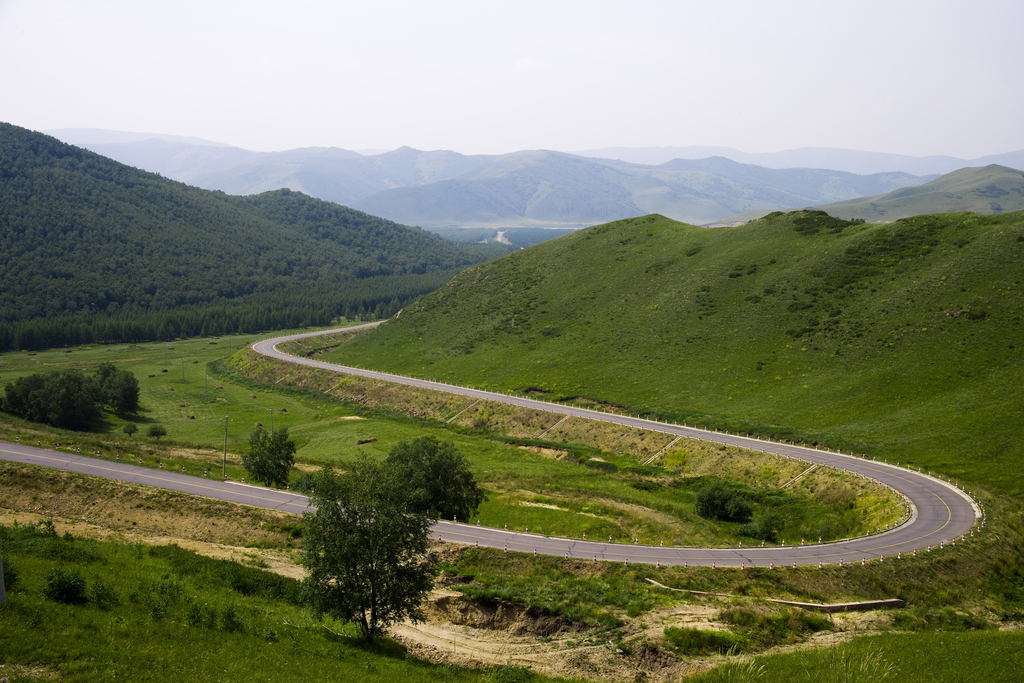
(598, 384)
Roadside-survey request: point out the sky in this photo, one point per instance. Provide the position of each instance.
(907, 77)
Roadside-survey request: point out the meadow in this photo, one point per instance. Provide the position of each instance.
(203, 398)
(981, 656)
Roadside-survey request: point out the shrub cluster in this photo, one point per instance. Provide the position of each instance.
(722, 502)
(64, 585)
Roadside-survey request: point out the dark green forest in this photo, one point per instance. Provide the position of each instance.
(96, 251)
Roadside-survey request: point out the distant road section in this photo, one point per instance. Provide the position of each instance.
(940, 512)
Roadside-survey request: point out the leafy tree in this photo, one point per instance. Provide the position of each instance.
(438, 478)
(23, 397)
(119, 389)
(156, 431)
(365, 549)
(130, 429)
(271, 456)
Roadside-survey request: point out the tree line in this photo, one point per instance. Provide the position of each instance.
(69, 399)
(246, 316)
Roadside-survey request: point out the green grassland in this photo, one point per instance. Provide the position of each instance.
(900, 341)
(980, 657)
(989, 189)
(526, 489)
(159, 613)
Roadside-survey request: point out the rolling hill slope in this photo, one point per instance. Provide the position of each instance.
(901, 340)
(990, 189)
(88, 241)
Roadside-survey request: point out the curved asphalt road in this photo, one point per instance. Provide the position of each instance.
(939, 512)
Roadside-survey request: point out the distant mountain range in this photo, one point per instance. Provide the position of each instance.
(849, 160)
(444, 189)
(554, 188)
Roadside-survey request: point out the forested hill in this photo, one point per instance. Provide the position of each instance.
(94, 250)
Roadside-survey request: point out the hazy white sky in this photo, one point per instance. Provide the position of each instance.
(911, 77)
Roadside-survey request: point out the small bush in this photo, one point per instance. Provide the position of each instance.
(159, 597)
(10, 575)
(718, 501)
(229, 620)
(64, 585)
(692, 642)
(510, 673)
(200, 615)
(303, 483)
(102, 595)
(765, 527)
(739, 617)
(42, 540)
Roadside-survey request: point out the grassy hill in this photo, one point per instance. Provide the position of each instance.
(92, 246)
(899, 340)
(990, 189)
